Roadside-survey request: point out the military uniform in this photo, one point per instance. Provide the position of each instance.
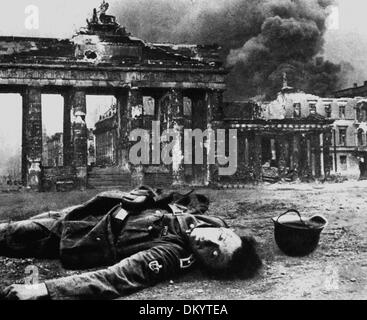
(142, 244)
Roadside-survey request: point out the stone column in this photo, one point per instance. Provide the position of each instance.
(246, 151)
(24, 139)
(327, 140)
(242, 156)
(316, 151)
(123, 130)
(303, 164)
(309, 157)
(296, 155)
(214, 102)
(80, 136)
(283, 155)
(67, 134)
(255, 155)
(32, 139)
(199, 121)
(176, 119)
(321, 139)
(134, 109)
(258, 157)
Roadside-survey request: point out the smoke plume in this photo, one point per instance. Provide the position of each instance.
(261, 39)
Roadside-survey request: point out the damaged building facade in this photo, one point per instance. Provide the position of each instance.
(287, 139)
(53, 150)
(104, 59)
(356, 127)
(332, 132)
(106, 141)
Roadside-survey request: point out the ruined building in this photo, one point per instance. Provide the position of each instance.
(285, 139)
(104, 59)
(53, 151)
(353, 161)
(341, 147)
(106, 140)
(355, 91)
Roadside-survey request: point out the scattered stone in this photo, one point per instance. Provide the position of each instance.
(353, 280)
(171, 282)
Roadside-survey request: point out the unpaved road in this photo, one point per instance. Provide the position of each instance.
(336, 270)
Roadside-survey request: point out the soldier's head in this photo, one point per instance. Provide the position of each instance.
(225, 254)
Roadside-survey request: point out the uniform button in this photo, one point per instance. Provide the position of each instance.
(192, 226)
(98, 239)
(150, 228)
(158, 212)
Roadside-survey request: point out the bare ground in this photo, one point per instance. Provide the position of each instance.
(336, 270)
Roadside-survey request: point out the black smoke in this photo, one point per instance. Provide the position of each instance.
(262, 39)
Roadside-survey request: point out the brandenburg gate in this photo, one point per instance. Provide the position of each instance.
(105, 59)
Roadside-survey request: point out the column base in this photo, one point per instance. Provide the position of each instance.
(137, 176)
(81, 177)
(178, 183)
(34, 179)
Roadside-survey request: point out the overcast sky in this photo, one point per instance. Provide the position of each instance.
(61, 18)
(352, 16)
(57, 18)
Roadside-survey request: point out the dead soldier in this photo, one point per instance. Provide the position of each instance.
(141, 238)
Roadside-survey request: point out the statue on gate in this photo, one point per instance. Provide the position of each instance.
(102, 22)
(103, 17)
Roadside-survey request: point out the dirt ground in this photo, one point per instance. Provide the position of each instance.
(336, 270)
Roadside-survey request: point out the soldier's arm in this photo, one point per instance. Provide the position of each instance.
(137, 272)
(94, 201)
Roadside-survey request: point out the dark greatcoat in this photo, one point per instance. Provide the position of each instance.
(148, 245)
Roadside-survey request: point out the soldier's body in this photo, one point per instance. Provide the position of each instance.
(141, 238)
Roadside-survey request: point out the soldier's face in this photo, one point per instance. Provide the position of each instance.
(214, 246)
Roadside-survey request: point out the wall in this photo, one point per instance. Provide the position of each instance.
(352, 169)
(53, 178)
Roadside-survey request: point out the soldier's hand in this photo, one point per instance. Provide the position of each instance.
(25, 292)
